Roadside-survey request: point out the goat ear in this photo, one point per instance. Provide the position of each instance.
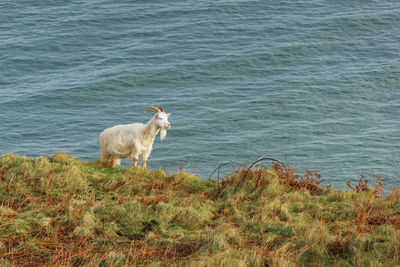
(157, 116)
(169, 114)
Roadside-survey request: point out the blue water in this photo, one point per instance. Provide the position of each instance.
(317, 82)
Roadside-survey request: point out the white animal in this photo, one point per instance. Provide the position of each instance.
(132, 140)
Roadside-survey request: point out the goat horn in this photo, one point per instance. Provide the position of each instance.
(155, 108)
(160, 108)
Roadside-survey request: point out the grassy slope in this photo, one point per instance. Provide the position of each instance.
(62, 211)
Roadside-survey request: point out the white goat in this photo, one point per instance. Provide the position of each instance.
(132, 140)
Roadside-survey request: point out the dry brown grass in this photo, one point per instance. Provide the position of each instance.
(61, 211)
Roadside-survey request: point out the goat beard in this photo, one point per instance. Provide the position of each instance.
(163, 134)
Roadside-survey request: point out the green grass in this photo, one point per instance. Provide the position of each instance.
(61, 211)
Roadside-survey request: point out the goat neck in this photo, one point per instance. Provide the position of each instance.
(150, 131)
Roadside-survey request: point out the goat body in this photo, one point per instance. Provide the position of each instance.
(132, 140)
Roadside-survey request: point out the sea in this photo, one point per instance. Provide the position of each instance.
(313, 83)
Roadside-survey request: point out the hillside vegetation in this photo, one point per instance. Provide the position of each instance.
(61, 211)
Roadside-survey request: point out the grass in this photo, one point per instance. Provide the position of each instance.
(61, 211)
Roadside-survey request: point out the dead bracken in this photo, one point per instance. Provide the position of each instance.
(61, 211)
